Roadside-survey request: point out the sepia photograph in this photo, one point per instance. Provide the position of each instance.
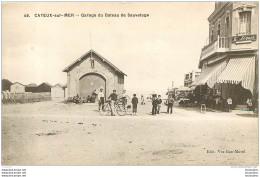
(130, 84)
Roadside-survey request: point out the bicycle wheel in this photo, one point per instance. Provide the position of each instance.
(106, 111)
(120, 110)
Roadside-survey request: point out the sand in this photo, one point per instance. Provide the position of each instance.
(54, 133)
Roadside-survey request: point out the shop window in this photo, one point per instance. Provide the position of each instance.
(245, 23)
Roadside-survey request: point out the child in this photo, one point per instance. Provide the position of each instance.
(134, 102)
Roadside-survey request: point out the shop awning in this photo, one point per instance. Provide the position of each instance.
(210, 74)
(240, 69)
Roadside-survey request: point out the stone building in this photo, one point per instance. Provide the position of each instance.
(229, 61)
(91, 72)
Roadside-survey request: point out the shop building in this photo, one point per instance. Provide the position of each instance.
(229, 62)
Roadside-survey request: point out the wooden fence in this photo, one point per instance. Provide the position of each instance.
(27, 97)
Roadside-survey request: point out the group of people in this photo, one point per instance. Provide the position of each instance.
(220, 103)
(157, 103)
(113, 97)
(123, 97)
(77, 99)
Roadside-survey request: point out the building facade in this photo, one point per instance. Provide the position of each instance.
(57, 91)
(190, 77)
(44, 87)
(91, 72)
(229, 61)
(31, 88)
(17, 88)
(65, 88)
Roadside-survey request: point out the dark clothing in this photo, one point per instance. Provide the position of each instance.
(154, 110)
(134, 102)
(170, 101)
(124, 101)
(113, 97)
(154, 103)
(101, 103)
(169, 108)
(134, 108)
(159, 101)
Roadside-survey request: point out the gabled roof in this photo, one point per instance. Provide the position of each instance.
(46, 83)
(31, 85)
(104, 60)
(18, 83)
(57, 85)
(65, 85)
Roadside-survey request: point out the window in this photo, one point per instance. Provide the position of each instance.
(121, 80)
(211, 36)
(245, 23)
(92, 63)
(219, 29)
(227, 25)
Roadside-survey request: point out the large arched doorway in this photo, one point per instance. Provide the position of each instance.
(90, 82)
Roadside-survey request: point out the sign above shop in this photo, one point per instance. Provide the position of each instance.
(243, 38)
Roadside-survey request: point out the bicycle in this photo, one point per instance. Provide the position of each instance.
(119, 109)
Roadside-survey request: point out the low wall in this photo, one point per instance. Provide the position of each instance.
(26, 97)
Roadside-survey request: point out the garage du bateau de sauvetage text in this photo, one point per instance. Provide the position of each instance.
(114, 15)
(89, 15)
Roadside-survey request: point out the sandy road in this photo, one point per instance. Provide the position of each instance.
(53, 133)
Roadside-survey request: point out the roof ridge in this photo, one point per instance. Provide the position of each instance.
(104, 59)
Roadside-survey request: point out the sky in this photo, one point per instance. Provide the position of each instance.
(152, 51)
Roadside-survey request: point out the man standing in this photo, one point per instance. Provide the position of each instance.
(154, 103)
(124, 97)
(134, 102)
(101, 99)
(170, 104)
(113, 98)
(159, 102)
(142, 100)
